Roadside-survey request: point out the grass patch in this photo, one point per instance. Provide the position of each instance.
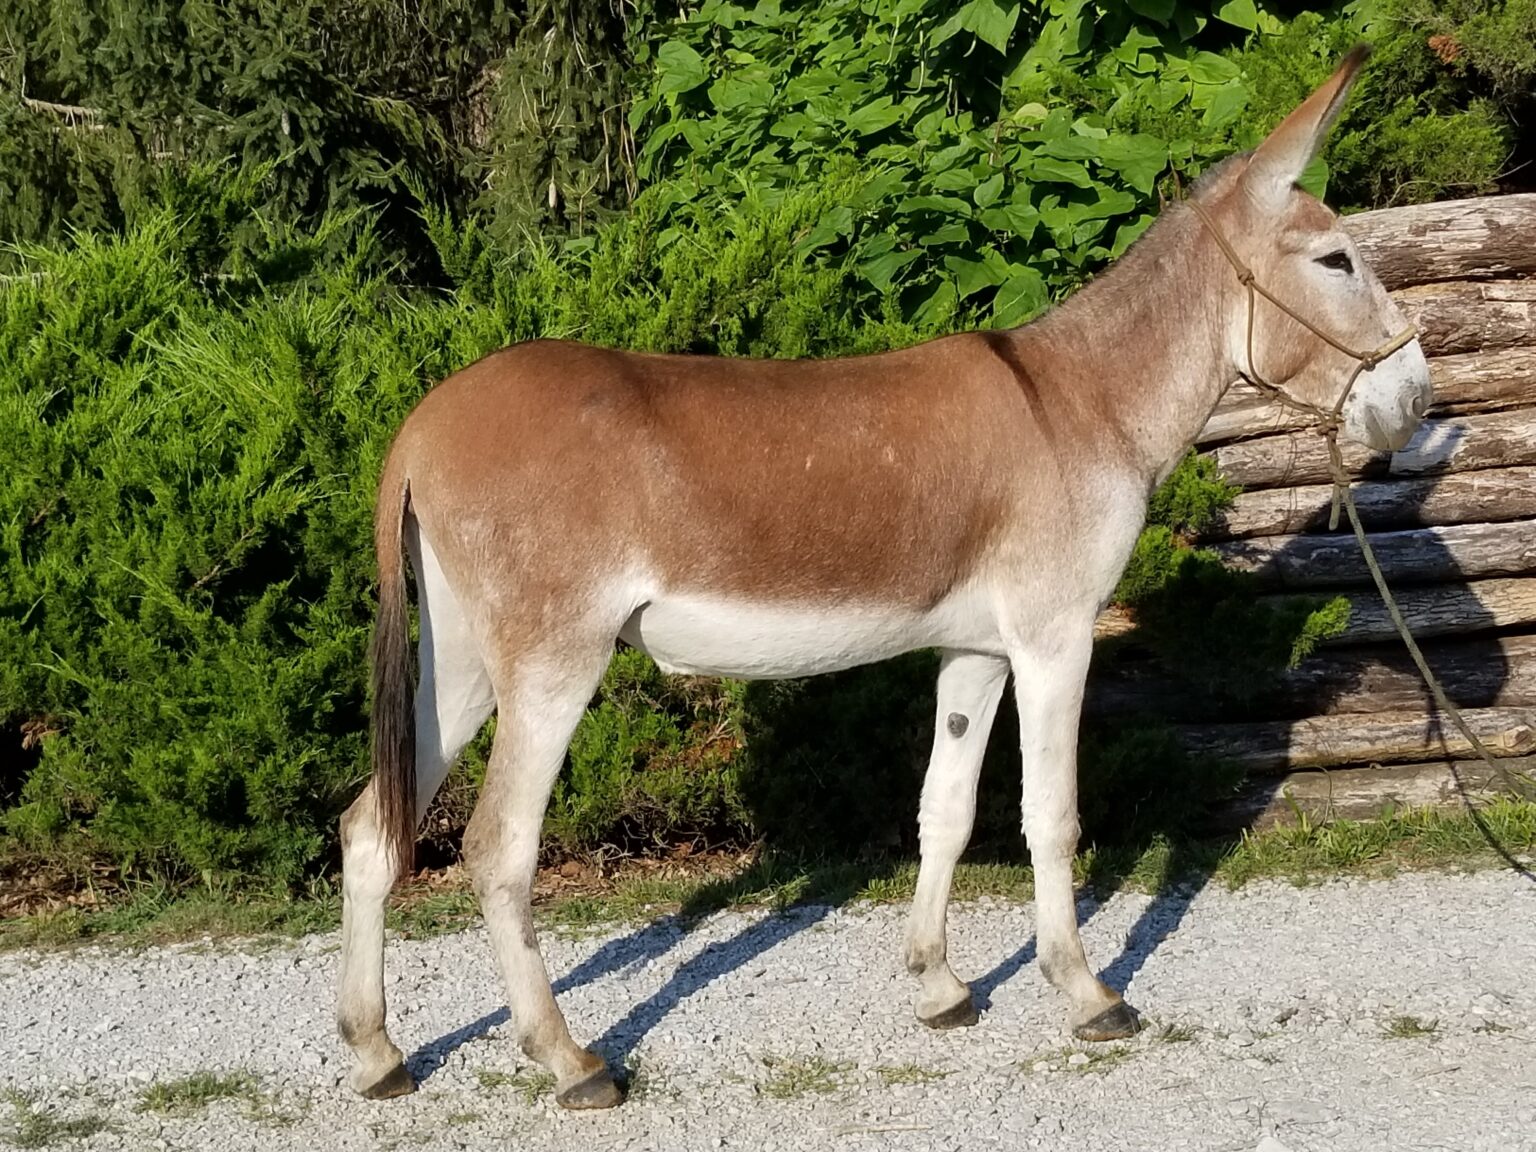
(33, 1126)
(899, 1074)
(1176, 1034)
(191, 1094)
(1413, 840)
(789, 1079)
(531, 1083)
(1410, 1027)
(1101, 1058)
(154, 914)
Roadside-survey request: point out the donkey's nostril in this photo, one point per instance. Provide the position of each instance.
(1420, 405)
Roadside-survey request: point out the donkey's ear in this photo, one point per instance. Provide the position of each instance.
(1278, 162)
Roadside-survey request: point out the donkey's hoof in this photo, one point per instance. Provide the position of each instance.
(961, 1015)
(1114, 1023)
(595, 1090)
(396, 1082)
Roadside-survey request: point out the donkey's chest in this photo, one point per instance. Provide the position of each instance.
(722, 636)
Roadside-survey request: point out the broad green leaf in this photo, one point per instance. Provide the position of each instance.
(971, 276)
(988, 191)
(992, 21)
(1209, 68)
(1110, 202)
(1226, 104)
(1020, 297)
(955, 180)
(880, 187)
(952, 233)
(1314, 177)
(681, 68)
(1126, 234)
(1072, 148)
(1239, 12)
(948, 205)
(1159, 10)
(729, 93)
(877, 114)
(938, 307)
(881, 271)
(1139, 158)
(836, 223)
(1050, 170)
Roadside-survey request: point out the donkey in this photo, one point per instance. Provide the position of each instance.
(978, 494)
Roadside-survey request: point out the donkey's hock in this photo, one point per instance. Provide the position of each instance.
(776, 518)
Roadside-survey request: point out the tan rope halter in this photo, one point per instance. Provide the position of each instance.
(1327, 422)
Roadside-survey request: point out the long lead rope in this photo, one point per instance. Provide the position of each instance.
(1327, 423)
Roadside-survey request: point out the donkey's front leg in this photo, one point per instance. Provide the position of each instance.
(969, 689)
(1049, 675)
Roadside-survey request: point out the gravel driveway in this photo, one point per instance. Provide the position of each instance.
(1352, 1016)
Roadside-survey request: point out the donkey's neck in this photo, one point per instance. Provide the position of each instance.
(1144, 349)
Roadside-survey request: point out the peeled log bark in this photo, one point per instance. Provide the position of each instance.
(1491, 673)
(1465, 383)
(1382, 738)
(1364, 793)
(1453, 444)
(1461, 316)
(1415, 555)
(1477, 239)
(1465, 497)
(1441, 610)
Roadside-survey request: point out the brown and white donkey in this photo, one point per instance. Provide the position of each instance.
(978, 494)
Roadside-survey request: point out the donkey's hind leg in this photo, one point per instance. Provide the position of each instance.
(453, 699)
(969, 689)
(539, 706)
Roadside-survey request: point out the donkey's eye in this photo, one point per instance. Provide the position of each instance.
(1338, 261)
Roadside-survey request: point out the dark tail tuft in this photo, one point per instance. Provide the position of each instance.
(394, 690)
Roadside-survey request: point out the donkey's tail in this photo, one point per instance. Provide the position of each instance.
(394, 708)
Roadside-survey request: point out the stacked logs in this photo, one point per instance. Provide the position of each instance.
(1452, 519)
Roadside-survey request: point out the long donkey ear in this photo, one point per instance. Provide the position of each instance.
(1278, 162)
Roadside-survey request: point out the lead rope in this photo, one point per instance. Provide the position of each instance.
(1327, 422)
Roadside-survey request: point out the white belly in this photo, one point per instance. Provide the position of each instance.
(704, 636)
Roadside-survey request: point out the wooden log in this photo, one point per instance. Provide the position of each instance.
(1479, 239)
(1441, 610)
(1465, 497)
(1379, 738)
(1452, 444)
(1416, 555)
(1465, 316)
(1365, 793)
(1430, 610)
(1465, 383)
(1495, 672)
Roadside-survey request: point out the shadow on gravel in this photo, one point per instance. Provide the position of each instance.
(802, 895)
(713, 962)
(1184, 880)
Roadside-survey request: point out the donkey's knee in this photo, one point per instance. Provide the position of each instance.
(368, 869)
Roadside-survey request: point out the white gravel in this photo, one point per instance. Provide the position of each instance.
(1280, 998)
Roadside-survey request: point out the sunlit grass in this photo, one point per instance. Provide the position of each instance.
(1304, 852)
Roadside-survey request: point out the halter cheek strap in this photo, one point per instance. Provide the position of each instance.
(1324, 419)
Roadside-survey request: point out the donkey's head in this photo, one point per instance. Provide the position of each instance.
(1298, 251)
